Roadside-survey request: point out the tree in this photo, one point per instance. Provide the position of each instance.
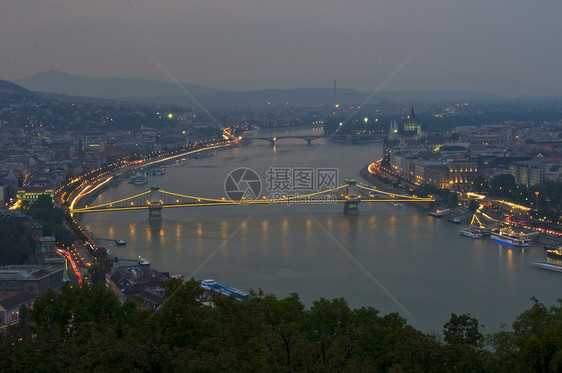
(50, 217)
(453, 200)
(502, 185)
(15, 248)
(464, 350)
(463, 330)
(473, 206)
(480, 183)
(535, 344)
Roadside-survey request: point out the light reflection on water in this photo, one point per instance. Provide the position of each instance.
(422, 261)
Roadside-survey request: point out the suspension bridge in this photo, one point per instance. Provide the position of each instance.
(155, 199)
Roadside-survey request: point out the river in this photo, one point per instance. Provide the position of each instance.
(393, 259)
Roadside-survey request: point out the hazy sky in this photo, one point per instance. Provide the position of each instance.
(501, 46)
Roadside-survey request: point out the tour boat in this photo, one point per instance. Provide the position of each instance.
(555, 253)
(156, 171)
(547, 265)
(181, 162)
(507, 236)
(138, 178)
(213, 286)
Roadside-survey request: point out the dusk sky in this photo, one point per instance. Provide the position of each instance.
(510, 47)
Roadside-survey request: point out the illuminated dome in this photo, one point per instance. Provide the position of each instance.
(412, 123)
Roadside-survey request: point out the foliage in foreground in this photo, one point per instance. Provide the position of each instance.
(86, 329)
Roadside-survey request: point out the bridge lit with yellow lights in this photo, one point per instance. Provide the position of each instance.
(155, 199)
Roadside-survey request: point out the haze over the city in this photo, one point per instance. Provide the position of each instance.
(504, 47)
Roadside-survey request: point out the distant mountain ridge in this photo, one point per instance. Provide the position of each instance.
(110, 88)
(9, 87)
(168, 93)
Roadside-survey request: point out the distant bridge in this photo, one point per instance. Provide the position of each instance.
(155, 199)
(349, 139)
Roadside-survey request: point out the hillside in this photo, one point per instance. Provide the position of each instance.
(168, 93)
(8, 87)
(109, 88)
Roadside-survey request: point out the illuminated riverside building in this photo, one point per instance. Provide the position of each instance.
(32, 194)
(412, 127)
(411, 131)
(444, 174)
(445, 166)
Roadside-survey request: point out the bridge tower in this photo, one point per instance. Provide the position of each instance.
(351, 204)
(155, 207)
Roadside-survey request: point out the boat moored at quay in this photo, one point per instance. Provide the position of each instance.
(139, 178)
(212, 286)
(477, 226)
(156, 171)
(554, 253)
(439, 213)
(469, 232)
(181, 162)
(509, 237)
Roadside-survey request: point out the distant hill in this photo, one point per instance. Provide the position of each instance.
(437, 96)
(281, 97)
(168, 93)
(109, 88)
(8, 87)
(325, 96)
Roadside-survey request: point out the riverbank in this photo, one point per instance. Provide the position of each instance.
(388, 187)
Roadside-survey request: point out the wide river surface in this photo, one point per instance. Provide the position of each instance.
(393, 259)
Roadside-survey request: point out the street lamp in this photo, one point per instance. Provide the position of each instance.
(537, 194)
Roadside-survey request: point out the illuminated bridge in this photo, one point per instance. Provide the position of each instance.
(351, 139)
(155, 199)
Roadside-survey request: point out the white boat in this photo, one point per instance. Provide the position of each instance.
(468, 232)
(507, 236)
(213, 286)
(397, 204)
(455, 220)
(439, 213)
(138, 178)
(547, 265)
(156, 171)
(120, 242)
(181, 162)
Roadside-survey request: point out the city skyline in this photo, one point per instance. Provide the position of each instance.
(508, 48)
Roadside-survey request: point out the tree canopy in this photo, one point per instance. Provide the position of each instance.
(50, 217)
(87, 329)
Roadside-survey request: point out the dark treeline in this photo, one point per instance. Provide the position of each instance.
(87, 329)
